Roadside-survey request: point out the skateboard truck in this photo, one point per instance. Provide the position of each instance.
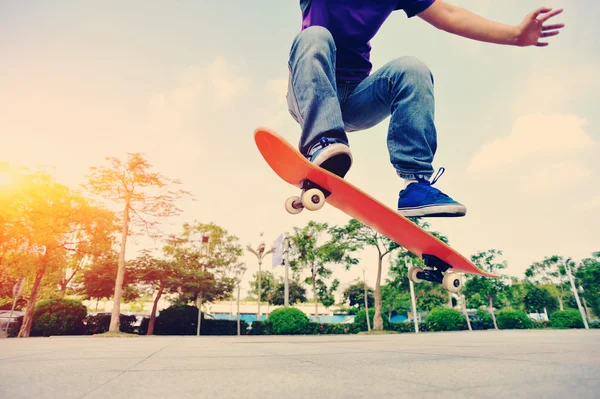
(451, 281)
(312, 198)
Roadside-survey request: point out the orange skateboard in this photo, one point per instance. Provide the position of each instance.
(319, 186)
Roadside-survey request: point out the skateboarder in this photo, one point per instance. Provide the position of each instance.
(332, 90)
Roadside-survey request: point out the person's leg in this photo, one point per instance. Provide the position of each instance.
(313, 100)
(403, 89)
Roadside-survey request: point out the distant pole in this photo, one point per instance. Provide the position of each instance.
(366, 301)
(206, 249)
(286, 264)
(241, 269)
(260, 255)
(413, 300)
(574, 290)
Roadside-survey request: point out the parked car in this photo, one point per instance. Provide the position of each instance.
(13, 323)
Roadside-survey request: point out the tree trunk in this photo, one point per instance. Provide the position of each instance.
(97, 300)
(238, 310)
(259, 290)
(153, 314)
(366, 297)
(116, 311)
(199, 302)
(28, 316)
(560, 303)
(314, 284)
(492, 313)
(377, 319)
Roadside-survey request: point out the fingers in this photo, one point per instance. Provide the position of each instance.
(540, 10)
(551, 33)
(552, 27)
(541, 44)
(549, 15)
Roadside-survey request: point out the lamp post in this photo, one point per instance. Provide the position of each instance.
(574, 290)
(587, 312)
(260, 255)
(412, 297)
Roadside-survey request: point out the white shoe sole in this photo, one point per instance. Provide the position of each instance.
(331, 151)
(434, 210)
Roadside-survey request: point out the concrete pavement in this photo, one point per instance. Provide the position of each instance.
(488, 364)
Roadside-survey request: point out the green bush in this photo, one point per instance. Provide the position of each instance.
(58, 317)
(513, 319)
(403, 327)
(446, 319)
(485, 320)
(594, 324)
(569, 318)
(100, 323)
(360, 320)
(284, 321)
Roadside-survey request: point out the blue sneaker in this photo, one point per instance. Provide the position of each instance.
(331, 154)
(420, 199)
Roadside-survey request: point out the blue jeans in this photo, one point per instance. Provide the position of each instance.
(325, 106)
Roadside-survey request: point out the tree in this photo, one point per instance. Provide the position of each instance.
(428, 295)
(537, 299)
(326, 294)
(237, 280)
(267, 283)
(43, 222)
(159, 274)
(588, 276)
(146, 198)
(395, 300)
(486, 287)
(355, 294)
(205, 254)
(98, 279)
(297, 293)
(314, 249)
(551, 272)
(360, 236)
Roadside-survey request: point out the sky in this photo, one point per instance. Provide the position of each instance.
(186, 83)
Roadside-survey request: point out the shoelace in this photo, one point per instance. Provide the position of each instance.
(428, 185)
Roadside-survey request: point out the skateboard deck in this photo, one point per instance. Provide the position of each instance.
(287, 162)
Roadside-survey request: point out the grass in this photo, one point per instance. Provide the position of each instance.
(374, 332)
(116, 334)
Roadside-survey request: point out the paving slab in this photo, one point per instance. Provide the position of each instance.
(488, 364)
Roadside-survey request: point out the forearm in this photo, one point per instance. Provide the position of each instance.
(472, 26)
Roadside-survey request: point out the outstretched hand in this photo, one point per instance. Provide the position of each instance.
(532, 29)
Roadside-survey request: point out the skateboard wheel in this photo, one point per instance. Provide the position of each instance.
(452, 282)
(313, 199)
(412, 274)
(289, 206)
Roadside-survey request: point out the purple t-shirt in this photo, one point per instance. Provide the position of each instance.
(353, 23)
